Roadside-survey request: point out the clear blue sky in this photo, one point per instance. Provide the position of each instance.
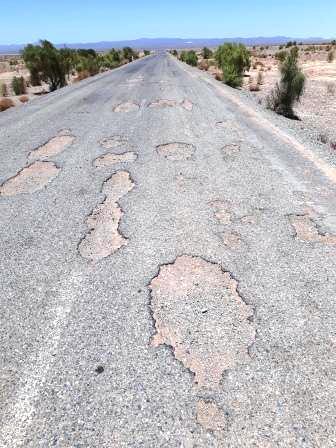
(61, 21)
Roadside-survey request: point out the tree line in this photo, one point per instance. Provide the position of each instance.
(54, 66)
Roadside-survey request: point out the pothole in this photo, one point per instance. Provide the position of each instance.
(211, 417)
(306, 230)
(54, 146)
(199, 313)
(112, 159)
(162, 103)
(187, 105)
(176, 151)
(104, 237)
(231, 149)
(113, 142)
(30, 179)
(231, 239)
(128, 106)
(221, 211)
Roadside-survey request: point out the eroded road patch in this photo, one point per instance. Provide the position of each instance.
(53, 147)
(176, 151)
(306, 230)
(128, 106)
(162, 103)
(199, 313)
(104, 237)
(30, 179)
(113, 142)
(231, 149)
(112, 159)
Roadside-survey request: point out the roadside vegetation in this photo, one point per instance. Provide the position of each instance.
(54, 66)
(189, 57)
(290, 88)
(233, 59)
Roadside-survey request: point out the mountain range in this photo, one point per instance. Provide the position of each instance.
(168, 43)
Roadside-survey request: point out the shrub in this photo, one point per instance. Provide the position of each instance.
(5, 104)
(331, 56)
(290, 88)
(48, 64)
(128, 54)
(174, 53)
(331, 88)
(233, 59)
(206, 53)
(146, 52)
(203, 65)
(281, 55)
(19, 85)
(24, 99)
(189, 57)
(260, 78)
(3, 89)
(253, 86)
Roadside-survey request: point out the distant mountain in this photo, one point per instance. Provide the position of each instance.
(167, 43)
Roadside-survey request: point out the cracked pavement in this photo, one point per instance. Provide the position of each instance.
(79, 367)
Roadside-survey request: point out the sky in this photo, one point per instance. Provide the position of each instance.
(75, 21)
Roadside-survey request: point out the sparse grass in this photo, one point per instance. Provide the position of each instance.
(6, 103)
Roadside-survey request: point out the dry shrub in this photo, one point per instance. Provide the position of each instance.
(333, 145)
(6, 103)
(253, 86)
(203, 65)
(219, 76)
(331, 88)
(24, 99)
(82, 75)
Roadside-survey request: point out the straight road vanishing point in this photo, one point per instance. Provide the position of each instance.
(168, 269)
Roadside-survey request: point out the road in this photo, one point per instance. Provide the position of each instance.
(168, 269)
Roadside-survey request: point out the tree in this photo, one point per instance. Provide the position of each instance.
(233, 59)
(128, 53)
(47, 63)
(206, 53)
(290, 88)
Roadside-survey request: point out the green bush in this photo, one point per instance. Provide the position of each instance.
(174, 53)
(146, 52)
(290, 88)
(281, 55)
(189, 57)
(206, 53)
(3, 89)
(47, 63)
(233, 59)
(128, 54)
(19, 85)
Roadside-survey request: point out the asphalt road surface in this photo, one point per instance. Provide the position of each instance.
(168, 269)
